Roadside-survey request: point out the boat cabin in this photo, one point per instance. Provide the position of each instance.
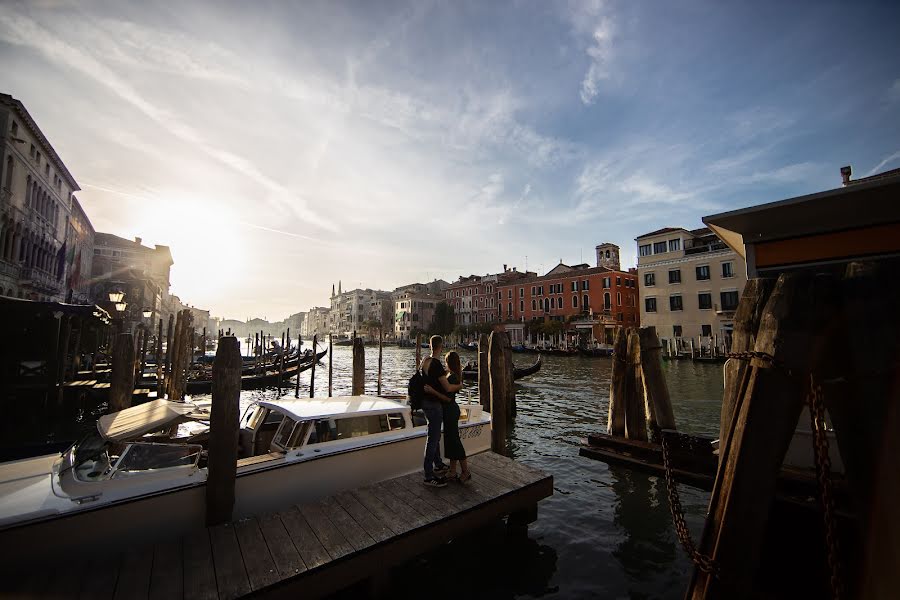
(290, 423)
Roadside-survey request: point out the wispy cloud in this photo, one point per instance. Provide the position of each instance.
(595, 29)
(884, 162)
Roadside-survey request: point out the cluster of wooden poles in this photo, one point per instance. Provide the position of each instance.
(711, 348)
(638, 392)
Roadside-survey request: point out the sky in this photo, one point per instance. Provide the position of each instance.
(280, 147)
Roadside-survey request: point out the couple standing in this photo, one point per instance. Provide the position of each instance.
(440, 408)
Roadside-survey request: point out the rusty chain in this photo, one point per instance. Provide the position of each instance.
(704, 563)
(823, 473)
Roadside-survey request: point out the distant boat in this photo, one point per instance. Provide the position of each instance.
(594, 352)
(518, 372)
(255, 381)
(469, 346)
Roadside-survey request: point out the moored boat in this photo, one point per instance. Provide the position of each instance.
(518, 372)
(113, 489)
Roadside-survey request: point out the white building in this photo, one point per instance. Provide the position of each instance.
(689, 283)
(35, 206)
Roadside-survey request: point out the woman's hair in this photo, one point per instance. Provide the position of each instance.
(454, 364)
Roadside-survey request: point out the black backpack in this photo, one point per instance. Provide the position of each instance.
(416, 390)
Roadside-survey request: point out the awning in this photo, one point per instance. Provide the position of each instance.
(15, 307)
(138, 420)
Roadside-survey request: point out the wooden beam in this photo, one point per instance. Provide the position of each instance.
(635, 406)
(223, 431)
(358, 385)
(122, 380)
(656, 392)
(615, 422)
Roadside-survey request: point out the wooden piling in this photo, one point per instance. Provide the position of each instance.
(746, 323)
(330, 364)
(692, 348)
(654, 381)
(121, 384)
(418, 350)
(359, 367)
(501, 390)
(145, 338)
(635, 406)
(159, 363)
(380, 352)
(168, 365)
(615, 422)
(76, 353)
(794, 327)
(484, 374)
(223, 431)
(312, 371)
(297, 382)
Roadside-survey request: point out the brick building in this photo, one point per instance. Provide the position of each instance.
(591, 301)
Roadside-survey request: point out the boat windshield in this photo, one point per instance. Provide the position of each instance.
(141, 456)
(89, 448)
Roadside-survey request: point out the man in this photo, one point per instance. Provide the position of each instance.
(434, 413)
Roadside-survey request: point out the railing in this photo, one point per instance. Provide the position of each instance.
(39, 279)
(9, 269)
(706, 248)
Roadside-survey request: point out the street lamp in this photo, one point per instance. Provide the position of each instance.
(120, 306)
(147, 313)
(116, 297)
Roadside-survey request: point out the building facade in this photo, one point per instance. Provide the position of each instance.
(35, 205)
(140, 272)
(474, 298)
(80, 255)
(357, 309)
(690, 283)
(590, 301)
(414, 312)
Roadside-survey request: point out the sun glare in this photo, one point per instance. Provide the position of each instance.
(206, 242)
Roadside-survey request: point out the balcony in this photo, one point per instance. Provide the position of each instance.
(11, 270)
(705, 248)
(39, 280)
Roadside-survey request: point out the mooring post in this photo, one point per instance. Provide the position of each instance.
(418, 350)
(312, 371)
(159, 363)
(692, 348)
(484, 374)
(635, 407)
(656, 393)
(223, 431)
(358, 386)
(122, 380)
(380, 352)
(615, 422)
(501, 388)
(172, 352)
(330, 363)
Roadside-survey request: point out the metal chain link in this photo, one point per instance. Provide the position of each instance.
(703, 562)
(751, 354)
(823, 470)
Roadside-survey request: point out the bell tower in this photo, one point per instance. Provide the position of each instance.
(608, 256)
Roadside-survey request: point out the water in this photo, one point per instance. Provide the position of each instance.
(606, 531)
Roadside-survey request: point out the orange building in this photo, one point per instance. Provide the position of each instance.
(593, 301)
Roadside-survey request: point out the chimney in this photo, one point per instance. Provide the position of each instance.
(138, 240)
(504, 268)
(845, 174)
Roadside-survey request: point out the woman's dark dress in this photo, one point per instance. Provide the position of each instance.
(453, 447)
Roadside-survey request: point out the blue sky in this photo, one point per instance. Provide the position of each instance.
(278, 147)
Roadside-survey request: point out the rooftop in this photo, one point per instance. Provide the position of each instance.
(327, 408)
(659, 231)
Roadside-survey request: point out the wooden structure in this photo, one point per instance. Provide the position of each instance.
(307, 550)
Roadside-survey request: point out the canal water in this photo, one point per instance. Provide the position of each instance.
(605, 533)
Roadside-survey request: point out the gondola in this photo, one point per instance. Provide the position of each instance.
(593, 352)
(255, 381)
(518, 372)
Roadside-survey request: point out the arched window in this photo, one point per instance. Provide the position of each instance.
(27, 190)
(559, 302)
(575, 301)
(9, 172)
(585, 304)
(607, 301)
(546, 304)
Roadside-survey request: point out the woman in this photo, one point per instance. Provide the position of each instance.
(453, 446)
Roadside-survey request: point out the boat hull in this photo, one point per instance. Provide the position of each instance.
(261, 487)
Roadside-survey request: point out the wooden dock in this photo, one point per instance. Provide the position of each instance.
(311, 549)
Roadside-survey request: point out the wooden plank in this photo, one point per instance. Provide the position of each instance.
(424, 508)
(353, 531)
(531, 474)
(167, 576)
(284, 554)
(134, 575)
(231, 575)
(308, 545)
(413, 484)
(260, 565)
(374, 527)
(199, 570)
(501, 475)
(330, 536)
(398, 507)
(374, 505)
(99, 582)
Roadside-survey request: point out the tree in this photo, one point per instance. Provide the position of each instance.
(444, 319)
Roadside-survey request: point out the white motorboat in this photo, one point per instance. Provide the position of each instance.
(114, 489)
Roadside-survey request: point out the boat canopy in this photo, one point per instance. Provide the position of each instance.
(329, 408)
(138, 420)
